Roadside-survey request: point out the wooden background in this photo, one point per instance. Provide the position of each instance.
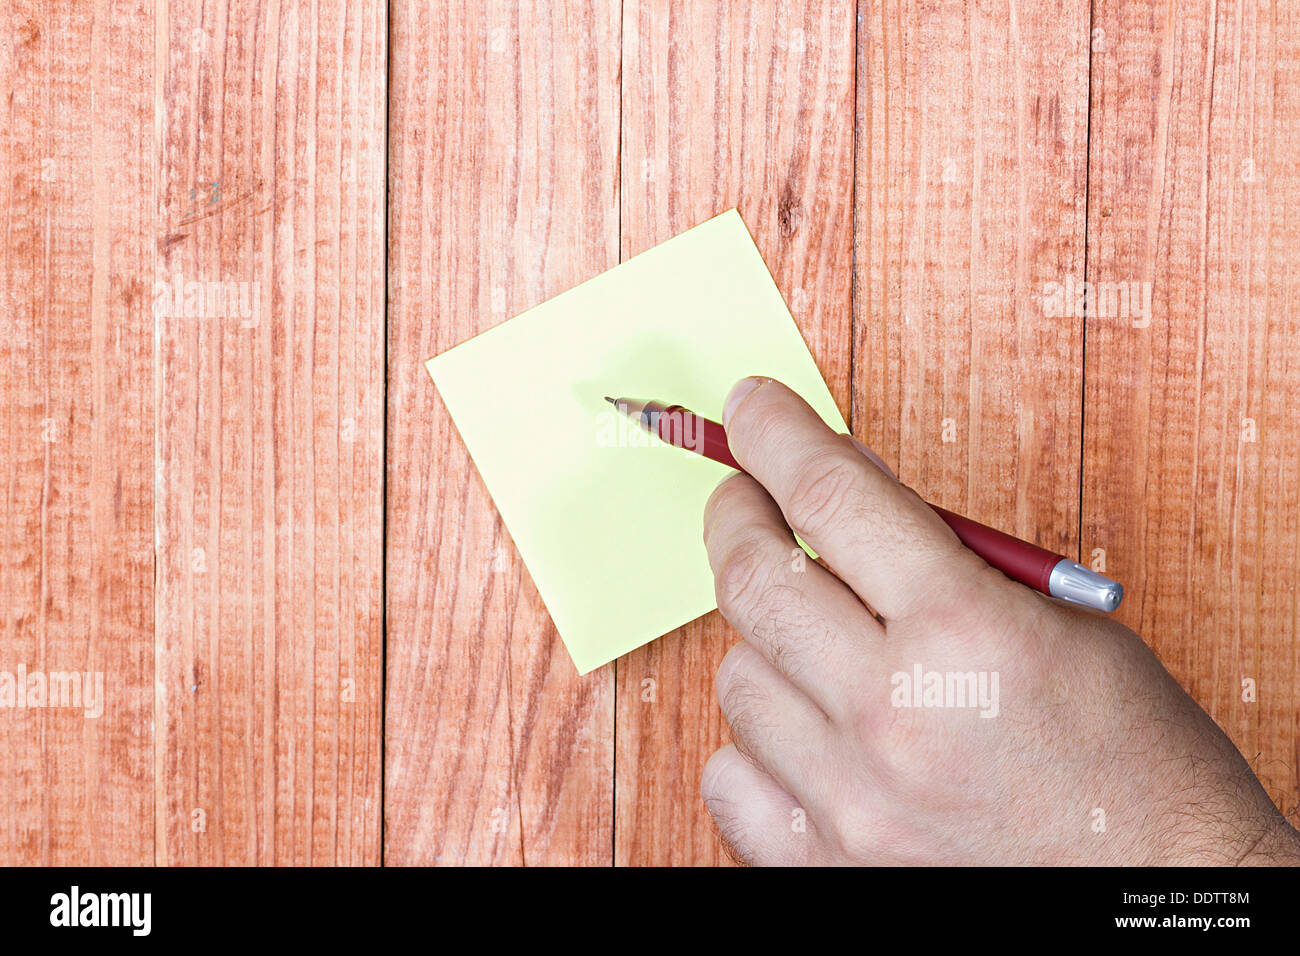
(318, 643)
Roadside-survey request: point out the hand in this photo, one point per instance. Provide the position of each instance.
(1072, 744)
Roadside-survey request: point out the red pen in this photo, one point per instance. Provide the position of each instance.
(1036, 567)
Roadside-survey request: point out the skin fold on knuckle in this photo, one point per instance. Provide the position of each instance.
(717, 779)
(757, 431)
(743, 577)
(753, 828)
(725, 801)
(746, 706)
(829, 489)
(737, 841)
(793, 633)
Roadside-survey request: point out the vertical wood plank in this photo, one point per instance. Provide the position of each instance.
(1192, 476)
(971, 191)
(76, 563)
(269, 311)
(503, 192)
(727, 105)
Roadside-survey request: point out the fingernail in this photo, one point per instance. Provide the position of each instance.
(875, 459)
(737, 395)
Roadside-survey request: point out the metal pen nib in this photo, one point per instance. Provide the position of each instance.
(1074, 582)
(647, 412)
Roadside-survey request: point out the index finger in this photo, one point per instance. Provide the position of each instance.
(878, 535)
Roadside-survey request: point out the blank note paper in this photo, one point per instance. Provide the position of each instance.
(608, 519)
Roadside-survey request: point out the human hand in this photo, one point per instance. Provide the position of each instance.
(1081, 748)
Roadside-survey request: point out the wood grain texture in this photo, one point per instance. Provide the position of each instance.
(76, 563)
(230, 487)
(727, 105)
(271, 159)
(971, 188)
(1192, 478)
(503, 192)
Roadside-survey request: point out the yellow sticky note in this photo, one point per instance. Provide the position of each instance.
(608, 519)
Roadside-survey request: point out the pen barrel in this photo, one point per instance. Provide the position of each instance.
(1019, 560)
(680, 426)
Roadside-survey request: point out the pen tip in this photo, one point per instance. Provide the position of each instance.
(610, 400)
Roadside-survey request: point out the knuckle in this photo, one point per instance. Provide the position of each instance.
(781, 622)
(902, 748)
(747, 709)
(749, 831)
(736, 837)
(853, 829)
(742, 701)
(754, 428)
(742, 579)
(723, 801)
(898, 737)
(717, 780)
(826, 487)
(793, 633)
